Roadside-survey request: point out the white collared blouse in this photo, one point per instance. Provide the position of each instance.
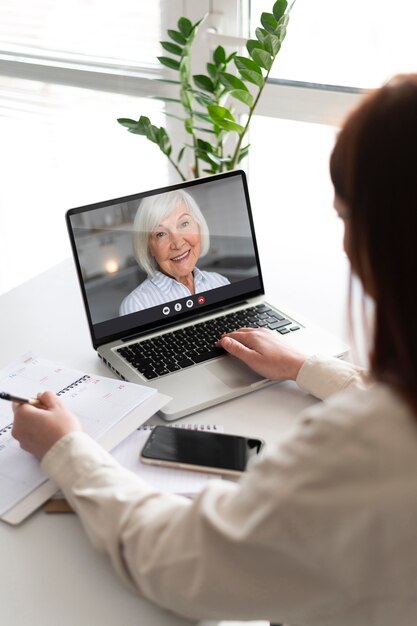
(161, 288)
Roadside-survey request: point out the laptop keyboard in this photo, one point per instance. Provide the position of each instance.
(185, 347)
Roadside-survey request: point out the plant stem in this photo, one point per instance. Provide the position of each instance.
(186, 88)
(239, 143)
(196, 163)
(181, 175)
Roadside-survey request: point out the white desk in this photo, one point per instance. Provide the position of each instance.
(49, 572)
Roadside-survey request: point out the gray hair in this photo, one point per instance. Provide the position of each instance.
(151, 212)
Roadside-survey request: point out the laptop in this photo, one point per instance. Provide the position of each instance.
(164, 273)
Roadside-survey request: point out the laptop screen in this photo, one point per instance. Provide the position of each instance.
(159, 257)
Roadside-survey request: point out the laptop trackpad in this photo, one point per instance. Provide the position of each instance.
(233, 373)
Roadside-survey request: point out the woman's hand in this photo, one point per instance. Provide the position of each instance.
(37, 428)
(263, 351)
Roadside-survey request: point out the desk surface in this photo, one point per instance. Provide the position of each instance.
(50, 574)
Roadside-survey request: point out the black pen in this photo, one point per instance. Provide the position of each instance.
(8, 396)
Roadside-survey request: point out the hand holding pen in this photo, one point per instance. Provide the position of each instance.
(40, 424)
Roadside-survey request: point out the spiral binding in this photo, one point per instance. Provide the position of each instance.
(184, 426)
(7, 428)
(74, 384)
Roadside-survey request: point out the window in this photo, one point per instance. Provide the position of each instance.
(68, 70)
(64, 149)
(353, 44)
(126, 31)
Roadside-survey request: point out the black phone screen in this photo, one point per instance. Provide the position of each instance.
(201, 448)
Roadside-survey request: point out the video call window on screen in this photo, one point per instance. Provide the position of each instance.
(163, 248)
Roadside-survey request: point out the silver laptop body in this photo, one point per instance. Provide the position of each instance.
(229, 293)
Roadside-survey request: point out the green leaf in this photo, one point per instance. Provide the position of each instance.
(163, 141)
(223, 118)
(202, 116)
(185, 26)
(177, 37)
(168, 82)
(203, 99)
(244, 96)
(261, 33)
(252, 77)
(279, 9)
(204, 145)
(232, 82)
(253, 43)
(212, 70)
(175, 117)
(230, 57)
(209, 131)
(205, 130)
(204, 82)
(140, 127)
(269, 22)
(207, 152)
(272, 45)
(151, 131)
(126, 122)
(189, 125)
(171, 63)
(243, 152)
(165, 99)
(144, 127)
(247, 64)
(219, 56)
(250, 71)
(262, 58)
(286, 18)
(208, 157)
(197, 24)
(180, 154)
(171, 47)
(281, 32)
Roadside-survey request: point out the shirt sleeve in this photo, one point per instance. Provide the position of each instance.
(246, 550)
(323, 377)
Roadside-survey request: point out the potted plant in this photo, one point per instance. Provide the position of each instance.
(207, 100)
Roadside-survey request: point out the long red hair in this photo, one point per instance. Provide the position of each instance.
(373, 167)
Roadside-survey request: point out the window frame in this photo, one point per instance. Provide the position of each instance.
(225, 24)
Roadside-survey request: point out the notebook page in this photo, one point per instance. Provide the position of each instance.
(99, 402)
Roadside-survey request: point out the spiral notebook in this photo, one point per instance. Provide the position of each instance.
(108, 409)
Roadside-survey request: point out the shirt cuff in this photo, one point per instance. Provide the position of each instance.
(323, 376)
(73, 456)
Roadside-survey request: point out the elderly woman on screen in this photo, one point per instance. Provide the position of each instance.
(170, 234)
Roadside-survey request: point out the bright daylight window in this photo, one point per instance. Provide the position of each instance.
(126, 30)
(62, 146)
(353, 44)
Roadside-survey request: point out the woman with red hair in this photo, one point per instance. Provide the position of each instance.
(321, 530)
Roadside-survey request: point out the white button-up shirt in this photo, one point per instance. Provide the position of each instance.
(161, 288)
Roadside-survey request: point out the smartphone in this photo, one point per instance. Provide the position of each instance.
(200, 450)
